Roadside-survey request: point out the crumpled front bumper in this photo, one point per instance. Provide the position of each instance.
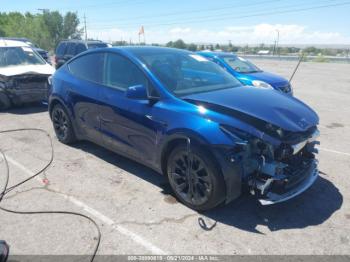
(311, 176)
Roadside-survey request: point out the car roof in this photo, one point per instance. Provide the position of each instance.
(134, 50)
(213, 54)
(82, 41)
(12, 43)
(150, 49)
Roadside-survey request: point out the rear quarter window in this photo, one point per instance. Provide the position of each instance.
(71, 49)
(80, 48)
(61, 48)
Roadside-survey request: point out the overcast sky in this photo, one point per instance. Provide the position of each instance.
(242, 22)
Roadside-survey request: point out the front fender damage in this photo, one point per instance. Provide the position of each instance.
(272, 172)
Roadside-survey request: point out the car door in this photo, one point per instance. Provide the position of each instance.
(82, 93)
(126, 124)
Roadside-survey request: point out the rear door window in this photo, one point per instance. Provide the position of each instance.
(88, 67)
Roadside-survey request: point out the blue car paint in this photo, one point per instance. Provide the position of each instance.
(144, 131)
(276, 81)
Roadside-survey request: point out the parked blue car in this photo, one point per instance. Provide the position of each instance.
(248, 73)
(189, 119)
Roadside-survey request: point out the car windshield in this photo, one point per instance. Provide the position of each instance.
(240, 65)
(184, 73)
(96, 45)
(15, 56)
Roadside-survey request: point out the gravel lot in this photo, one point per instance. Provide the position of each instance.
(132, 205)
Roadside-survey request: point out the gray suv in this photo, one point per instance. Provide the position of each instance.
(67, 49)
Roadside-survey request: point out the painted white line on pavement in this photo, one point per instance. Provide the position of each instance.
(121, 229)
(334, 151)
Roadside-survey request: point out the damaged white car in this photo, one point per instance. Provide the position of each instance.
(23, 74)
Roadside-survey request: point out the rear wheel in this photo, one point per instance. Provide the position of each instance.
(62, 125)
(194, 178)
(5, 102)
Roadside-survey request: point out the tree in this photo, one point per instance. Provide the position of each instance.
(170, 44)
(179, 44)
(70, 26)
(45, 29)
(192, 47)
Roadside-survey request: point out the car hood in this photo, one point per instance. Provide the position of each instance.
(45, 69)
(267, 77)
(252, 103)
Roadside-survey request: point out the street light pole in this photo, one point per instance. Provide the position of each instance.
(85, 27)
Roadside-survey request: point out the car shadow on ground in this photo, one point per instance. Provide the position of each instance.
(26, 109)
(311, 208)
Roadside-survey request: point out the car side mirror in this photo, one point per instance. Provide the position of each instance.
(137, 92)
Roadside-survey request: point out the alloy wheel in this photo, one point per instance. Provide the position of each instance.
(190, 178)
(60, 123)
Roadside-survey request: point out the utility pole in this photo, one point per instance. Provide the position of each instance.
(277, 41)
(85, 27)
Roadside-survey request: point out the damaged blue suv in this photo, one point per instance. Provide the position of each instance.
(189, 119)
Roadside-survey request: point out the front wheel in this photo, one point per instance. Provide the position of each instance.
(195, 178)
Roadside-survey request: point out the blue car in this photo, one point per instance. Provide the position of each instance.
(248, 73)
(189, 119)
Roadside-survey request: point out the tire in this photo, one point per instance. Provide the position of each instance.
(204, 187)
(62, 125)
(5, 102)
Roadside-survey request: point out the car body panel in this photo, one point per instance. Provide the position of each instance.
(126, 125)
(45, 69)
(288, 113)
(83, 106)
(276, 81)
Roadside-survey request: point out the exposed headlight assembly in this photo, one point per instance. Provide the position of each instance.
(261, 84)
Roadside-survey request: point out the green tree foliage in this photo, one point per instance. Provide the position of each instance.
(182, 45)
(192, 47)
(45, 29)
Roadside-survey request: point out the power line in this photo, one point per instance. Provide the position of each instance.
(104, 5)
(216, 18)
(195, 11)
